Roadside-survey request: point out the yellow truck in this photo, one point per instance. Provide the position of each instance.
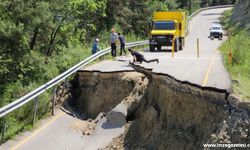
(167, 28)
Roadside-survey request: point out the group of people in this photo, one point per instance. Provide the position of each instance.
(114, 37)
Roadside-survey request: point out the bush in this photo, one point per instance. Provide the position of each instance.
(239, 45)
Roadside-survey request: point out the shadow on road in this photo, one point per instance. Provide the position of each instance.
(108, 125)
(72, 112)
(211, 14)
(159, 51)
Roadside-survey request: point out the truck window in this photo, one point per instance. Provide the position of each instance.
(164, 26)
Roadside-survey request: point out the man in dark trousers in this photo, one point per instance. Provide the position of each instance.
(113, 41)
(122, 43)
(137, 57)
(95, 47)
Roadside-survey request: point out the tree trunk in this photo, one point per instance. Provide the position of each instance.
(34, 38)
(190, 6)
(53, 37)
(52, 40)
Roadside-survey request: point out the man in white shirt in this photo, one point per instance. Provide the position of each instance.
(113, 41)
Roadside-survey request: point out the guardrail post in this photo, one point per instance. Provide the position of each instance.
(198, 48)
(53, 101)
(4, 129)
(65, 83)
(35, 110)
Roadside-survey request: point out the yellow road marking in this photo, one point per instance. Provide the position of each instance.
(209, 69)
(37, 131)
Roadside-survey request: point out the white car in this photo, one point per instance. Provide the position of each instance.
(216, 32)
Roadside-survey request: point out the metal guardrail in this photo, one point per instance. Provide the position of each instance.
(28, 97)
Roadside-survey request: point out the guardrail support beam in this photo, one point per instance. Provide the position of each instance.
(4, 129)
(35, 110)
(53, 101)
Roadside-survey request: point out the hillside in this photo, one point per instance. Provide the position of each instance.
(241, 14)
(237, 22)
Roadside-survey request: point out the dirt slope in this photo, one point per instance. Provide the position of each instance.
(167, 113)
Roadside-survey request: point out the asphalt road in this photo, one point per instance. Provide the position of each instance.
(56, 133)
(207, 70)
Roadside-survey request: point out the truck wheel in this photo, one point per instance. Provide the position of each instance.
(181, 44)
(152, 48)
(180, 47)
(176, 45)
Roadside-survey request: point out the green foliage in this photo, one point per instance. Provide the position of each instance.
(21, 119)
(13, 48)
(239, 45)
(225, 20)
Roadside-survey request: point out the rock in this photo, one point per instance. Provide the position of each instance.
(118, 115)
(241, 14)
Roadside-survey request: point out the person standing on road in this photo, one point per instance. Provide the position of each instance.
(95, 47)
(113, 41)
(137, 57)
(122, 43)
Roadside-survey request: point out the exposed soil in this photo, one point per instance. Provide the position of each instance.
(164, 113)
(96, 92)
(86, 127)
(119, 142)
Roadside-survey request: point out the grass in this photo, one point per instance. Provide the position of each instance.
(238, 45)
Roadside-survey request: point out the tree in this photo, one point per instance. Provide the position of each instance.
(87, 17)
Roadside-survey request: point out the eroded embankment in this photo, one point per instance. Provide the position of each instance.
(95, 92)
(168, 114)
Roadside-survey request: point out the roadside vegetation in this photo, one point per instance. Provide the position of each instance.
(238, 45)
(41, 39)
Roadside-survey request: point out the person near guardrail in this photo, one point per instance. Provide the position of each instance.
(113, 41)
(122, 43)
(95, 47)
(137, 57)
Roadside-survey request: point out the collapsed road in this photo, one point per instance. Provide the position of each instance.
(164, 113)
(184, 102)
(180, 103)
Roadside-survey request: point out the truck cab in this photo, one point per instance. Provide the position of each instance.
(166, 28)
